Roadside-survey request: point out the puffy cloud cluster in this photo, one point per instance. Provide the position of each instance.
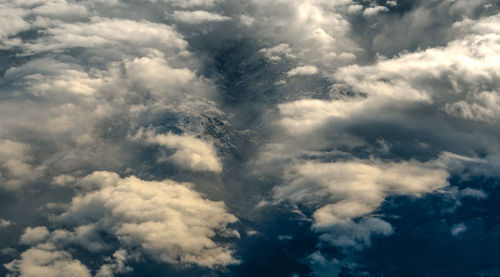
(464, 69)
(459, 79)
(342, 192)
(197, 17)
(422, 25)
(127, 72)
(83, 76)
(45, 261)
(4, 223)
(303, 70)
(191, 153)
(15, 166)
(315, 32)
(339, 105)
(167, 221)
(33, 235)
(103, 32)
(398, 109)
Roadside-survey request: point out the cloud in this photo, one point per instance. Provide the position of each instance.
(457, 229)
(166, 220)
(425, 25)
(302, 70)
(191, 153)
(44, 261)
(346, 190)
(392, 3)
(12, 21)
(341, 192)
(480, 106)
(303, 115)
(275, 53)
(316, 32)
(409, 76)
(15, 164)
(34, 235)
(4, 223)
(370, 11)
(397, 98)
(198, 17)
(434, 80)
(61, 10)
(128, 35)
(189, 3)
(473, 193)
(116, 264)
(164, 81)
(351, 234)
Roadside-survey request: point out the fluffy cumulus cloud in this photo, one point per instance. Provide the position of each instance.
(327, 148)
(463, 69)
(344, 191)
(104, 32)
(13, 17)
(167, 220)
(190, 152)
(79, 112)
(315, 31)
(303, 70)
(15, 164)
(45, 261)
(197, 17)
(33, 235)
(4, 223)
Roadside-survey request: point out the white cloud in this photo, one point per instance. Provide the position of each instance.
(34, 235)
(15, 164)
(345, 194)
(370, 11)
(392, 3)
(246, 20)
(478, 106)
(303, 70)
(198, 17)
(473, 193)
(354, 8)
(61, 10)
(458, 229)
(44, 261)
(189, 3)
(4, 223)
(100, 73)
(191, 152)
(166, 220)
(304, 115)
(11, 21)
(114, 265)
(154, 73)
(275, 53)
(350, 234)
(315, 31)
(458, 68)
(127, 35)
(344, 191)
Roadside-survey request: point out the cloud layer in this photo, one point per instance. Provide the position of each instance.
(239, 138)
